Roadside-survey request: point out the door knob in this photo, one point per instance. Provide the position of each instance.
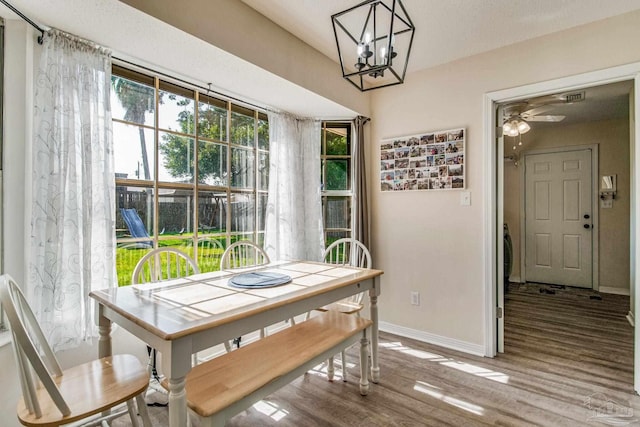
(587, 216)
(587, 226)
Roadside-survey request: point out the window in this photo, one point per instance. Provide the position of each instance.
(337, 180)
(191, 171)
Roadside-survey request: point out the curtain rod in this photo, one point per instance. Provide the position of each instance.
(40, 41)
(208, 90)
(25, 18)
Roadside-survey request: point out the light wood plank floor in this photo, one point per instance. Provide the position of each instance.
(568, 362)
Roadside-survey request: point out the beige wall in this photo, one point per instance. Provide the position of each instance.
(427, 241)
(612, 137)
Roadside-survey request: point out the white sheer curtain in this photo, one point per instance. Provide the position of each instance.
(72, 242)
(293, 228)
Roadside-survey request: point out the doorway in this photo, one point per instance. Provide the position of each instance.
(495, 188)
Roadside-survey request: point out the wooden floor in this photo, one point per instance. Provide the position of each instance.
(567, 362)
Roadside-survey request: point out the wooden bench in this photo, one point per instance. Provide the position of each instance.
(222, 387)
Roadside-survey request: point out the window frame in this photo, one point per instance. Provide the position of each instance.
(347, 194)
(195, 189)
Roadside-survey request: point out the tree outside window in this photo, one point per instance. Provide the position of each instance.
(337, 180)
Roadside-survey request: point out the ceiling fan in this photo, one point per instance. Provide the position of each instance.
(518, 114)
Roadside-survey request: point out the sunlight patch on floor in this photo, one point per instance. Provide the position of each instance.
(271, 410)
(448, 362)
(432, 391)
(478, 371)
(397, 346)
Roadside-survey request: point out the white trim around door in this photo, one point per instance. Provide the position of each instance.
(494, 204)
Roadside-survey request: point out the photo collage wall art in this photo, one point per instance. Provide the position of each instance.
(429, 161)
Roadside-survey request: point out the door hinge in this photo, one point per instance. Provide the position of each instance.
(499, 312)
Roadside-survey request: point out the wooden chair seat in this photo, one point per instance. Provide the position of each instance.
(52, 396)
(89, 389)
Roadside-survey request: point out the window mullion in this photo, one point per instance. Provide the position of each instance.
(196, 155)
(156, 145)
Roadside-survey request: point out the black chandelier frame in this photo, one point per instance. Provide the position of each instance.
(363, 67)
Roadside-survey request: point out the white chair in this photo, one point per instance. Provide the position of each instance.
(62, 397)
(163, 264)
(209, 254)
(353, 253)
(243, 254)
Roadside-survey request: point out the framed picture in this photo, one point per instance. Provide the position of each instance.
(427, 161)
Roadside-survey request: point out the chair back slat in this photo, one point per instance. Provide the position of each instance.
(209, 254)
(163, 264)
(243, 254)
(27, 338)
(350, 252)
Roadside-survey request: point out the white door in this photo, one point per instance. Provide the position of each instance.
(558, 218)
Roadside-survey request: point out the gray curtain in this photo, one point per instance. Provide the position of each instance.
(361, 227)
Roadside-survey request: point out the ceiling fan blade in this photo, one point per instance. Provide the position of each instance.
(548, 118)
(537, 110)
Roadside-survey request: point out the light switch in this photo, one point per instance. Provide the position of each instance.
(465, 198)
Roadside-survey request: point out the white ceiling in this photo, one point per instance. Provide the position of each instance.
(144, 40)
(453, 29)
(603, 102)
(447, 30)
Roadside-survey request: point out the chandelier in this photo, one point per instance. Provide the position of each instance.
(374, 41)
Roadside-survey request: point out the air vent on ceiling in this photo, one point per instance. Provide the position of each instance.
(573, 97)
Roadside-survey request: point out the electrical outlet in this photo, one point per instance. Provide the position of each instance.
(415, 298)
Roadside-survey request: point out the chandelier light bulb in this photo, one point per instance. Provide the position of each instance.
(367, 37)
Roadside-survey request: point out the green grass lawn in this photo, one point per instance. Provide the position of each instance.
(127, 257)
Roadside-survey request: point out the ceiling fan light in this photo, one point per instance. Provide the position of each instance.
(507, 127)
(523, 127)
(513, 132)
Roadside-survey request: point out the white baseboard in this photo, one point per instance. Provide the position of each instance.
(451, 343)
(613, 290)
(631, 319)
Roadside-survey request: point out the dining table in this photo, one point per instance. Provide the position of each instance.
(180, 317)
